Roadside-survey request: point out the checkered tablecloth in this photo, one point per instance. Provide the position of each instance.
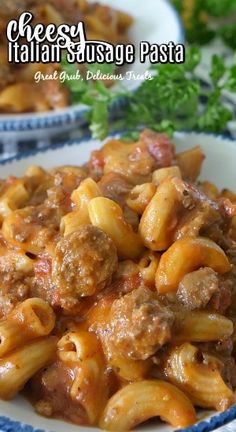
(11, 147)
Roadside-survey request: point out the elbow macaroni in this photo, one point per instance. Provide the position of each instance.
(190, 163)
(144, 344)
(81, 197)
(31, 319)
(89, 386)
(203, 326)
(148, 265)
(152, 398)
(20, 365)
(185, 256)
(162, 173)
(14, 197)
(202, 382)
(160, 217)
(107, 215)
(19, 93)
(140, 196)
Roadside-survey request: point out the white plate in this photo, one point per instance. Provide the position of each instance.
(156, 21)
(219, 167)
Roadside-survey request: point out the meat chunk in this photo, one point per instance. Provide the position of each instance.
(229, 371)
(96, 165)
(159, 146)
(16, 270)
(65, 180)
(51, 386)
(203, 216)
(223, 351)
(221, 300)
(115, 187)
(133, 161)
(196, 288)
(83, 264)
(32, 228)
(139, 325)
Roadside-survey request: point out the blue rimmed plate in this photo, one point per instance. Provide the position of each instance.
(219, 167)
(156, 22)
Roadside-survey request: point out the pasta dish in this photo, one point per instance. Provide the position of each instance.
(19, 92)
(117, 287)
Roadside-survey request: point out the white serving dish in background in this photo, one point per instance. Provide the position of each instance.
(155, 21)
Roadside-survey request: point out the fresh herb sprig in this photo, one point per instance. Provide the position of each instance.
(206, 19)
(170, 101)
(94, 94)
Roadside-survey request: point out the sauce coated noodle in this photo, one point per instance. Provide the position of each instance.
(117, 287)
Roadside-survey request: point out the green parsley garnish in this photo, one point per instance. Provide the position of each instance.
(168, 102)
(206, 19)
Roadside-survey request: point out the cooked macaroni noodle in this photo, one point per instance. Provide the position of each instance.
(19, 91)
(117, 286)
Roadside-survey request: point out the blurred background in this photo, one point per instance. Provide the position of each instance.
(199, 95)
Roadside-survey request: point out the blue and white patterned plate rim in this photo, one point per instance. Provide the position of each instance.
(216, 421)
(88, 137)
(8, 425)
(35, 121)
